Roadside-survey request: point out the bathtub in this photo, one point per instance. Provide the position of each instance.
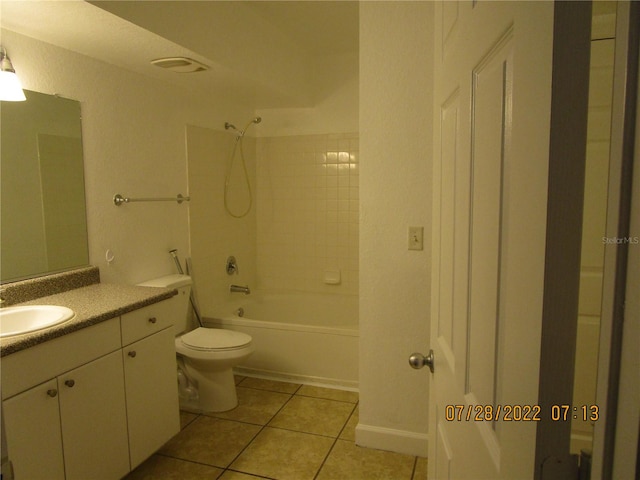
(298, 337)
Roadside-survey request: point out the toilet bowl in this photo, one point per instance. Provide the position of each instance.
(205, 356)
(209, 355)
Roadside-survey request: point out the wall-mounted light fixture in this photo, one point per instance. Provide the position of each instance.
(10, 87)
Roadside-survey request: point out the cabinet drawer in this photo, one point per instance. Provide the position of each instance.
(146, 321)
(26, 368)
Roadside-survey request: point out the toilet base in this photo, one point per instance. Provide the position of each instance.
(211, 370)
(218, 392)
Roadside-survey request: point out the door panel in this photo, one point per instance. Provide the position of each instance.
(492, 102)
(446, 328)
(490, 132)
(444, 455)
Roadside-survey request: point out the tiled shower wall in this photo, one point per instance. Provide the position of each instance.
(307, 213)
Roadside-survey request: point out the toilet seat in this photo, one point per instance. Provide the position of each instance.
(214, 339)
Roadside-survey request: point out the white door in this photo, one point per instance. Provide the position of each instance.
(492, 111)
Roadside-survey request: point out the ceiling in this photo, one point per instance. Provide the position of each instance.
(268, 51)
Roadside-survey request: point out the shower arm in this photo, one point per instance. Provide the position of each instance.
(240, 133)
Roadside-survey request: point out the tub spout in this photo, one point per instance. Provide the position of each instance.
(239, 289)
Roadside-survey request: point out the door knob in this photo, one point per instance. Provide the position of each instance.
(417, 360)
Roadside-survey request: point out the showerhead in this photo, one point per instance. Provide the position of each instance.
(240, 133)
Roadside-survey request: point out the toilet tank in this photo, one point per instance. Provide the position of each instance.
(179, 303)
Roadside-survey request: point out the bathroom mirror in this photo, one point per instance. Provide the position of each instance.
(43, 227)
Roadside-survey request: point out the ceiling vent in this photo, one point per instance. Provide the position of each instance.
(180, 64)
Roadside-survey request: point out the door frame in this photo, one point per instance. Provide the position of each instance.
(616, 420)
(567, 154)
(563, 259)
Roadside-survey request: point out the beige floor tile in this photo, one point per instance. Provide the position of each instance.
(231, 475)
(347, 460)
(213, 441)
(328, 393)
(284, 455)
(167, 468)
(186, 418)
(272, 385)
(313, 415)
(349, 430)
(420, 472)
(255, 406)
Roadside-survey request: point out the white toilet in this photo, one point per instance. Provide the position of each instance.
(206, 356)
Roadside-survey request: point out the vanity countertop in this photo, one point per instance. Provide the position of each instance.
(92, 304)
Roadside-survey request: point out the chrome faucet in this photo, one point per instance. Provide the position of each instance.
(240, 289)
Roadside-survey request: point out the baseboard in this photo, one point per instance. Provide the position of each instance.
(295, 378)
(400, 441)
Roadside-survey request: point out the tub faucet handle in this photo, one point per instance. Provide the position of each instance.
(232, 265)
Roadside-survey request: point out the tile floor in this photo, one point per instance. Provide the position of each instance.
(279, 431)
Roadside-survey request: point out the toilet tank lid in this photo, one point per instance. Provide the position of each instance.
(168, 281)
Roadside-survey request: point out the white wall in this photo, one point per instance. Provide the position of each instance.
(395, 193)
(335, 109)
(134, 144)
(215, 235)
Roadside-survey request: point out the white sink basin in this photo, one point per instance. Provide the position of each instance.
(26, 319)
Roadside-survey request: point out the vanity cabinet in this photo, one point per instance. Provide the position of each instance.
(95, 403)
(68, 423)
(152, 392)
(93, 420)
(32, 422)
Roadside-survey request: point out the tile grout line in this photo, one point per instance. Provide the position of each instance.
(291, 395)
(415, 467)
(335, 441)
(262, 427)
(295, 393)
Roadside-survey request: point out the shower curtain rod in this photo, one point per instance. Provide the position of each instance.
(119, 199)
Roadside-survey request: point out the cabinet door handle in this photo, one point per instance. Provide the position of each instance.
(69, 383)
(153, 320)
(52, 392)
(132, 353)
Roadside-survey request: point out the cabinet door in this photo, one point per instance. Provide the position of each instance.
(34, 442)
(152, 394)
(94, 423)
